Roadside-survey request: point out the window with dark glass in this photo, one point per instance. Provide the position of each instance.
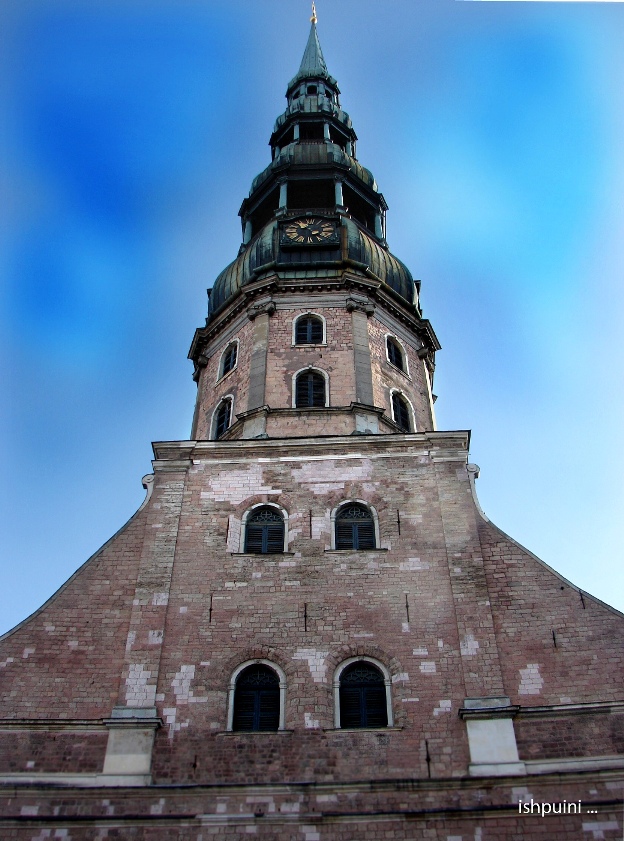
(362, 696)
(401, 413)
(228, 360)
(310, 389)
(264, 532)
(309, 330)
(355, 528)
(224, 415)
(395, 354)
(256, 699)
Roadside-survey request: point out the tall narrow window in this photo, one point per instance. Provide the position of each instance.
(309, 330)
(310, 389)
(223, 417)
(401, 412)
(362, 696)
(256, 699)
(264, 533)
(355, 528)
(228, 360)
(395, 354)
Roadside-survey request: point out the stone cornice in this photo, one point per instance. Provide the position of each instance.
(437, 445)
(589, 708)
(278, 280)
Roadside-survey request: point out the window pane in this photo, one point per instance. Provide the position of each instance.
(362, 697)
(395, 355)
(401, 412)
(229, 359)
(355, 528)
(264, 532)
(310, 390)
(256, 699)
(223, 418)
(309, 331)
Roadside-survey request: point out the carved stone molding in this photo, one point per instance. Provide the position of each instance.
(255, 310)
(360, 303)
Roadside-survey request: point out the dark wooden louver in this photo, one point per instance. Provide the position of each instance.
(223, 418)
(355, 528)
(395, 355)
(310, 390)
(264, 533)
(362, 697)
(229, 359)
(309, 331)
(256, 699)
(401, 412)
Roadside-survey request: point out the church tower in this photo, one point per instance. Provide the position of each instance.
(315, 328)
(310, 630)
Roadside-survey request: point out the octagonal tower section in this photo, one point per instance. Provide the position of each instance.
(315, 328)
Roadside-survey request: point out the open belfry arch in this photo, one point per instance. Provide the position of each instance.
(313, 557)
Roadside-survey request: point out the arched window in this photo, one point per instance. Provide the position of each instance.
(309, 389)
(228, 359)
(309, 330)
(363, 696)
(401, 412)
(222, 417)
(395, 353)
(355, 528)
(264, 531)
(257, 699)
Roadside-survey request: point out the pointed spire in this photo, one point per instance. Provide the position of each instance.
(313, 63)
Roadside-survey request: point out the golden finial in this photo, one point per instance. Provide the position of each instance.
(313, 19)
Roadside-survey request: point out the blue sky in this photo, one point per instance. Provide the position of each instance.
(132, 133)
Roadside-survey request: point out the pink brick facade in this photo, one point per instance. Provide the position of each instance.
(451, 607)
(498, 684)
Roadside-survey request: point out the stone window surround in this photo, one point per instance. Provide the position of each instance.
(303, 370)
(393, 391)
(401, 345)
(220, 374)
(282, 691)
(304, 315)
(213, 418)
(245, 517)
(387, 682)
(374, 515)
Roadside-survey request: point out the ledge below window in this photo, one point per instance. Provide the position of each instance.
(393, 729)
(254, 732)
(351, 551)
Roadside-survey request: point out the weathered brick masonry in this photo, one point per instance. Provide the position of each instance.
(497, 685)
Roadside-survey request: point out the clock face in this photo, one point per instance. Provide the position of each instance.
(309, 230)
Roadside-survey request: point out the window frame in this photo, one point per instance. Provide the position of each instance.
(309, 369)
(391, 337)
(311, 344)
(232, 692)
(227, 398)
(245, 519)
(373, 512)
(220, 372)
(396, 392)
(387, 678)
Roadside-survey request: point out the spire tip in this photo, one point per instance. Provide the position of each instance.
(314, 18)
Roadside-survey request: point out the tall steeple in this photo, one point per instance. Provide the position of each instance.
(313, 63)
(313, 225)
(310, 629)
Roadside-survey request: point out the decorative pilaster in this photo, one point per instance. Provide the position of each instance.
(491, 737)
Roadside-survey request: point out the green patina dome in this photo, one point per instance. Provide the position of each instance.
(264, 249)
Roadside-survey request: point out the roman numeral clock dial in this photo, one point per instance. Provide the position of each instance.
(309, 230)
